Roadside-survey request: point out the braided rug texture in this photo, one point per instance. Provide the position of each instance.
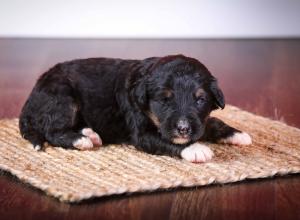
(72, 175)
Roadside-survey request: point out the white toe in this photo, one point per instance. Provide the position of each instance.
(83, 143)
(37, 147)
(197, 153)
(87, 131)
(95, 138)
(238, 138)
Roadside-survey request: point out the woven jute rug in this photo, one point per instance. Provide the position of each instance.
(72, 175)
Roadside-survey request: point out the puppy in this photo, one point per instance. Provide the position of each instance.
(161, 105)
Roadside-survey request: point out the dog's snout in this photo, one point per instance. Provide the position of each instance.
(183, 127)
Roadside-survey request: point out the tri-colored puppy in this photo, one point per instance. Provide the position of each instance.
(161, 105)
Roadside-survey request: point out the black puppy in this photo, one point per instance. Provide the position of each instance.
(161, 105)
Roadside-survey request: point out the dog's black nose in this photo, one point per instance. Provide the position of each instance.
(183, 127)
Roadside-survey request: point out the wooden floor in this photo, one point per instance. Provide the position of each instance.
(261, 76)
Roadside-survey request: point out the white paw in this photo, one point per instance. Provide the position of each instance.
(37, 147)
(197, 153)
(83, 143)
(238, 138)
(95, 138)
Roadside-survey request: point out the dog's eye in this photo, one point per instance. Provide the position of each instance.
(165, 100)
(161, 99)
(200, 100)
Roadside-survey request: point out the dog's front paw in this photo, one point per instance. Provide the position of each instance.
(197, 153)
(238, 138)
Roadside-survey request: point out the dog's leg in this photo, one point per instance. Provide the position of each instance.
(58, 121)
(66, 137)
(70, 139)
(195, 153)
(153, 144)
(218, 132)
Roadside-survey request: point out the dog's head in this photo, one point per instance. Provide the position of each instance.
(177, 95)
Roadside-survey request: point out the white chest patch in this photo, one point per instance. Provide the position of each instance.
(197, 153)
(238, 138)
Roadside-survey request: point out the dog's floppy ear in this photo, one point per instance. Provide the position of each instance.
(138, 93)
(217, 94)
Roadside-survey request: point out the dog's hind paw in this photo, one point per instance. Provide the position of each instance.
(95, 138)
(197, 153)
(37, 147)
(83, 143)
(238, 138)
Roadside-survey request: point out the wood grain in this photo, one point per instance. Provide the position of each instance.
(261, 76)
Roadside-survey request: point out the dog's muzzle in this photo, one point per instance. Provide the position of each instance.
(182, 132)
(183, 127)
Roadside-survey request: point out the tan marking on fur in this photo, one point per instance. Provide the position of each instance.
(153, 118)
(179, 140)
(167, 93)
(199, 92)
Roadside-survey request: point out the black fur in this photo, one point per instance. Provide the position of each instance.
(139, 102)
